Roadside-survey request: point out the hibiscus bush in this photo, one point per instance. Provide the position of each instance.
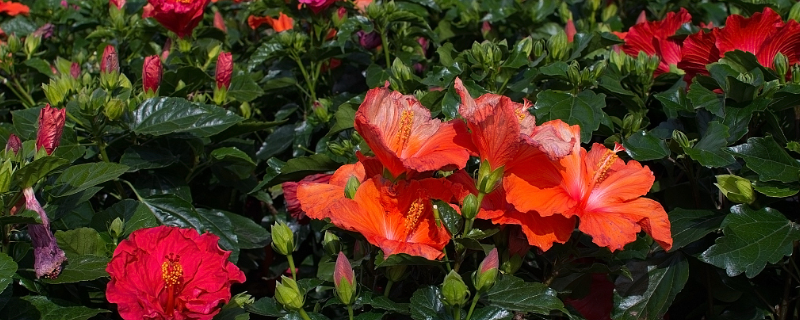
(404, 159)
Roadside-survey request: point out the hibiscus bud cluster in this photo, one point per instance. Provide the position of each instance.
(282, 238)
(558, 46)
(288, 294)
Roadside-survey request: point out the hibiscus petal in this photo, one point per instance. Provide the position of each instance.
(747, 34)
(541, 232)
(617, 224)
(698, 51)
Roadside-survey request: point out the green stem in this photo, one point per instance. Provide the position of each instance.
(23, 93)
(350, 311)
(385, 48)
(310, 82)
(388, 288)
(291, 266)
(102, 146)
(304, 314)
(457, 313)
(472, 307)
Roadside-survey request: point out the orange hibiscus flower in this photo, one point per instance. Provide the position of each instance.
(397, 218)
(282, 23)
(599, 188)
(405, 139)
(316, 198)
(13, 8)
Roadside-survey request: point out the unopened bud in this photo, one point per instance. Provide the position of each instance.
(351, 187)
(401, 71)
(14, 44)
(339, 17)
(344, 279)
(282, 238)
(13, 144)
(794, 13)
(396, 273)
(116, 228)
(609, 12)
(512, 264)
(488, 180)
(454, 291)
(557, 46)
(114, 109)
(110, 61)
(781, 65)
(484, 277)
(331, 243)
(470, 207)
(564, 13)
(151, 75)
(32, 43)
(75, 70)
(736, 188)
(681, 139)
(288, 294)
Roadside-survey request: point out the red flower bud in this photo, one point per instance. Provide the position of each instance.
(110, 61)
(75, 70)
(569, 29)
(166, 49)
(151, 73)
(117, 3)
(642, 18)
(343, 271)
(224, 70)
(490, 262)
(341, 12)
(13, 144)
(219, 22)
(369, 40)
(51, 125)
(180, 16)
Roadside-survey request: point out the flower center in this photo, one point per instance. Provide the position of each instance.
(414, 212)
(172, 273)
(184, 1)
(406, 120)
(605, 163)
(521, 114)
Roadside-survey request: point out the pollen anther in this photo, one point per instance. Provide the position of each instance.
(406, 120)
(414, 212)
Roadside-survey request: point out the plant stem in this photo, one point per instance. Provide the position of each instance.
(472, 307)
(23, 93)
(291, 266)
(457, 313)
(350, 311)
(304, 314)
(385, 48)
(388, 288)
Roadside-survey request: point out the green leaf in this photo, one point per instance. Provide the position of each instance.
(519, 56)
(383, 303)
(249, 234)
(265, 51)
(344, 118)
(775, 189)
(673, 101)
(376, 76)
(369, 316)
(232, 154)
(82, 268)
(83, 176)
(19, 25)
(584, 109)
(25, 217)
(141, 158)
(752, 238)
(192, 79)
(244, 128)
(708, 151)
(277, 142)
(764, 156)
(32, 172)
(160, 116)
(651, 291)
(451, 219)
(26, 123)
(426, 304)
(266, 307)
(513, 293)
(7, 269)
(492, 313)
(135, 214)
(644, 146)
(244, 89)
(42, 308)
(81, 241)
(691, 225)
(703, 98)
(39, 65)
(297, 168)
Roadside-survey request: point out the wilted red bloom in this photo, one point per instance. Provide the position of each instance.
(75, 70)
(317, 5)
(110, 61)
(655, 38)
(763, 34)
(290, 195)
(401, 133)
(179, 16)
(603, 191)
(224, 70)
(45, 31)
(117, 3)
(48, 257)
(219, 22)
(570, 30)
(51, 125)
(13, 8)
(170, 273)
(398, 218)
(151, 73)
(369, 40)
(343, 271)
(13, 143)
(281, 24)
(596, 305)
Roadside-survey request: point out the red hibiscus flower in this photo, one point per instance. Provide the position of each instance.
(170, 273)
(317, 5)
(655, 38)
(405, 139)
(602, 190)
(179, 16)
(763, 34)
(699, 50)
(398, 218)
(51, 125)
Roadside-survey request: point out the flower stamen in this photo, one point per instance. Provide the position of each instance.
(608, 159)
(406, 120)
(414, 212)
(172, 273)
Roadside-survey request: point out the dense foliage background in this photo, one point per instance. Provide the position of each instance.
(724, 147)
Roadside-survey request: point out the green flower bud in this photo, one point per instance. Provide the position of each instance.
(351, 187)
(282, 238)
(331, 243)
(246, 110)
(489, 180)
(609, 12)
(32, 43)
(794, 13)
(288, 294)
(681, 139)
(116, 228)
(14, 45)
(557, 45)
(454, 291)
(396, 273)
(593, 5)
(6, 171)
(735, 188)
(781, 65)
(512, 263)
(320, 108)
(470, 207)
(484, 277)
(564, 13)
(114, 109)
(55, 92)
(796, 74)
(400, 71)
(538, 48)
